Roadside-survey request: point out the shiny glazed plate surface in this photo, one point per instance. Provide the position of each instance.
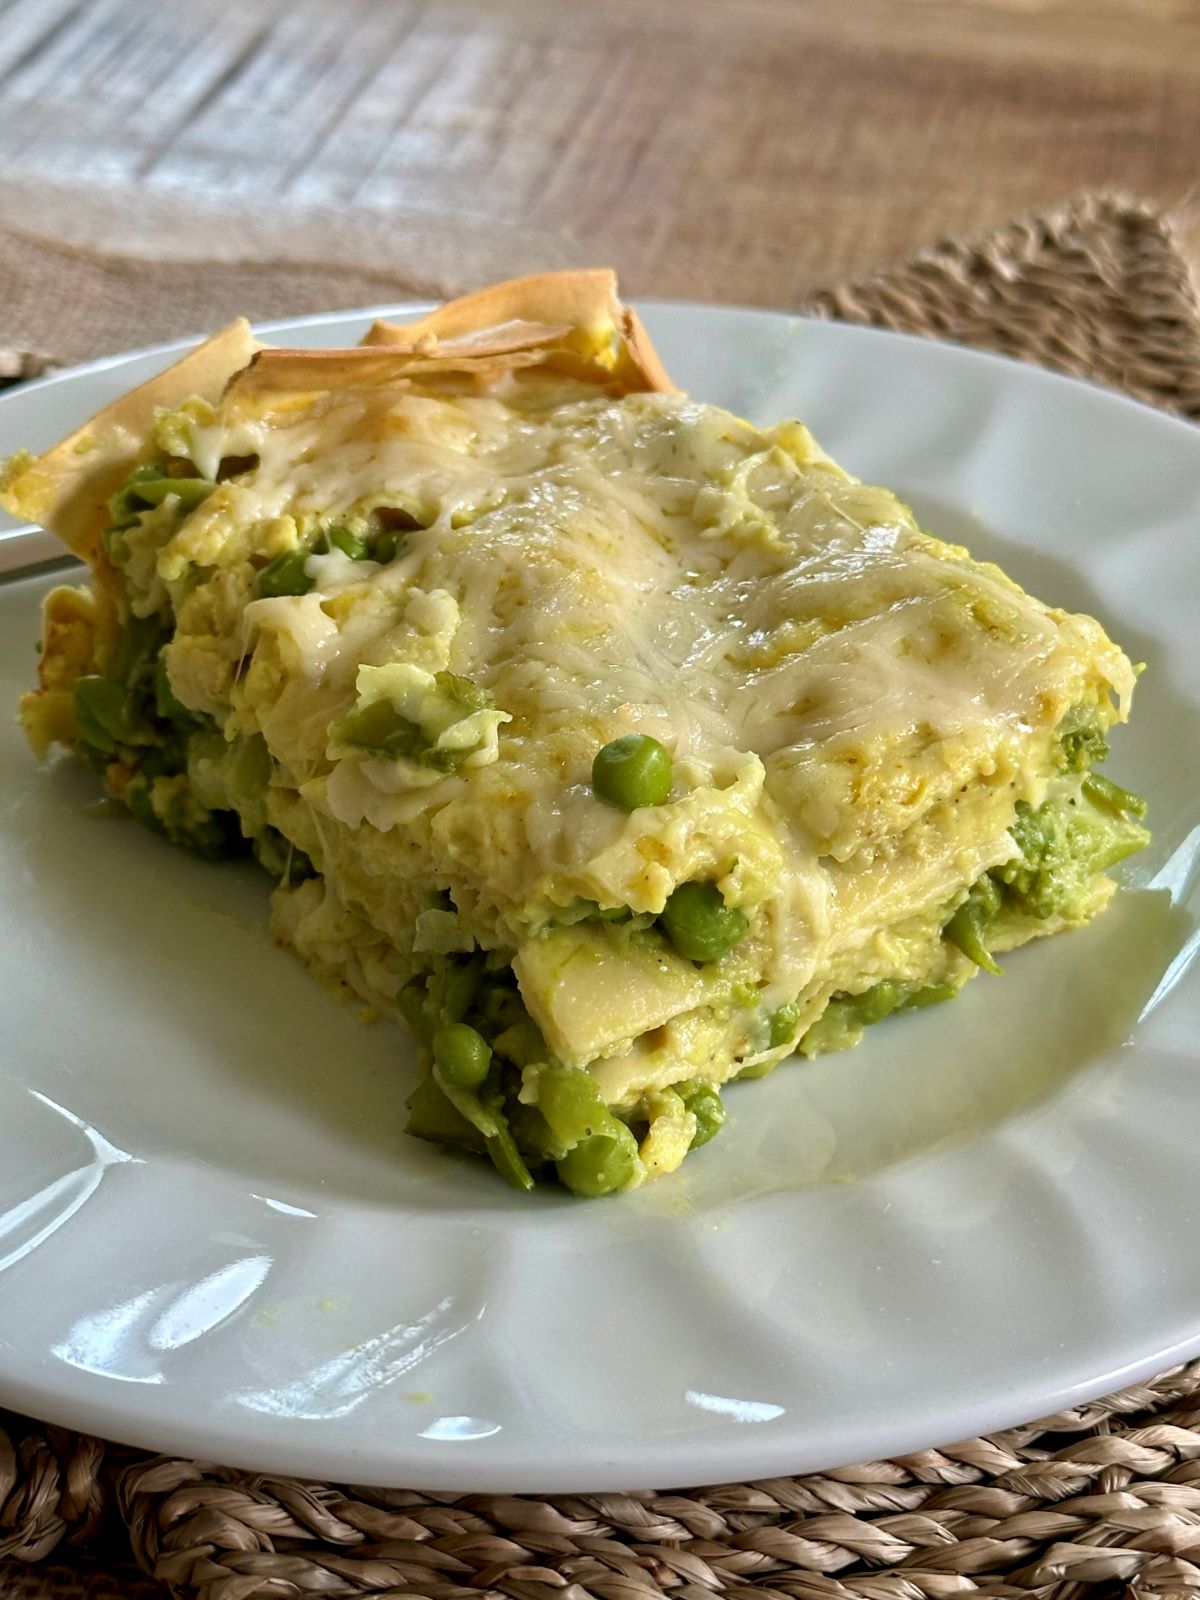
(216, 1240)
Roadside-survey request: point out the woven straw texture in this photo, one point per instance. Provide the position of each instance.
(1103, 1500)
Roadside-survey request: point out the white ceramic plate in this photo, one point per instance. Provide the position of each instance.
(215, 1239)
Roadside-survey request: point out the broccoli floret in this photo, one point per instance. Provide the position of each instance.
(1064, 847)
(1082, 748)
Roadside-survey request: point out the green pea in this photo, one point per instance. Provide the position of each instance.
(285, 575)
(600, 1164)
(632, 771)
(105, 713)
(782, 1024)
(463, 1056)
(699, 923)
(570, 1100)
(704, 1101)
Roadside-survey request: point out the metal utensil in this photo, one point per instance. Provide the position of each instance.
(27, 550)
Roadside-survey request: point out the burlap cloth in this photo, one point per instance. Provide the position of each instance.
(1104, 1499)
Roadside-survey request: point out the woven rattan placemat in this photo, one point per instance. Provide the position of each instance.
(1101, 1500)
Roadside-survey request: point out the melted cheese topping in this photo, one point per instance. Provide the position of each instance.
(853, 708)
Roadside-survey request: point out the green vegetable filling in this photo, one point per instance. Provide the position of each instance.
(129, 719)
(150, 484)
(361, 538)
(704, 1101)
(842, 1022)
(467, 1013)
(384, 730)
(285, 575)
(129, 716)
(1082, 744)
(969, 925)
(1063, 845)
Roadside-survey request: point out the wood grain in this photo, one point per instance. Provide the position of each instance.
(723, 149)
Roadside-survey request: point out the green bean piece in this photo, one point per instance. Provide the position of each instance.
(166, 704)
(190, 492)
(933, 994)
(600, 1164)
(106, 714)
(877, 1002)
(460, 988)
(632, 771)
(532, 1135)
(761, 1069)
(463, 1056)
(411, 1004)
(699, 923)
(285, 576)
(966, 929)
(142, 638)
(141, 806)
(704, 1101)
(127, 504)
(1109, 796)
(783, 1023)
(507, 1160)
(611, 914)
(488, 1119)
(388, 545)
(348, 542)
(431, 1116)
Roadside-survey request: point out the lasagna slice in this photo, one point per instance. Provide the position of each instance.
(618, 747)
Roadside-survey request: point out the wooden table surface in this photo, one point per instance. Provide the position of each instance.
(722, 149)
